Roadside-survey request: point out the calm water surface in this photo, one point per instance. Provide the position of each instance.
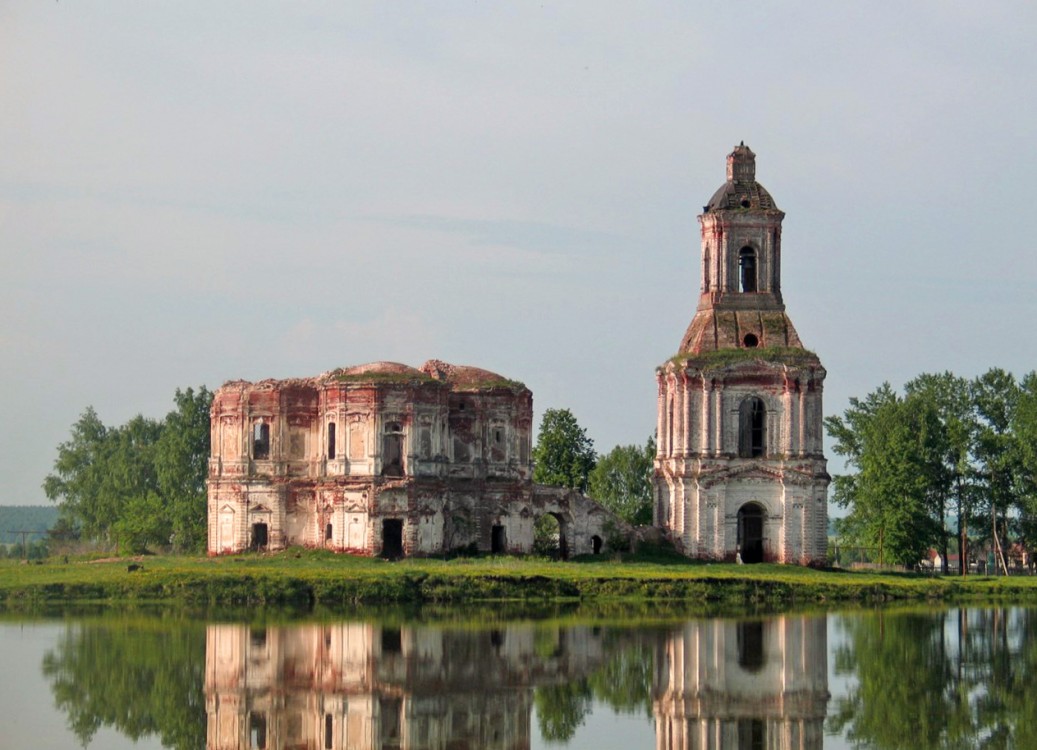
(875, 679)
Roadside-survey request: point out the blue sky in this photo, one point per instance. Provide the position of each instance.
(196, 192)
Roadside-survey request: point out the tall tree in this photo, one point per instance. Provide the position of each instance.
(1024, 428)
(79, 476)
(995, 396)
(138, 485)
(564, 455)
(951, 397)
(181, 463)
(896, 445)
(622, 482)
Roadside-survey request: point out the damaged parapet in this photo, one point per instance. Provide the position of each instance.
(383, 459)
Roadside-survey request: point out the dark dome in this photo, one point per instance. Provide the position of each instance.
(734, 196)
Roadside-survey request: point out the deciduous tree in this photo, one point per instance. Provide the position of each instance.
(896, 446)
(622, 482)
(564, 455)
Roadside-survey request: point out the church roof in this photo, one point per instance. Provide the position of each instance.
(712, 329)
(740, 195)
(741, 191)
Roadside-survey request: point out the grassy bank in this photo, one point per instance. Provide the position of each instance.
(308, 579)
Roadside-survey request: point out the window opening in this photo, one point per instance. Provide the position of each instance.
(257, 730)
(392, 451)
(392, 643)
(261, 440)
(752, 423)
(331, 440)
(391, 715)
(328, 533)
(596, 544)
(750, 341)
(328, 724)
(747, 269)
(752, 734)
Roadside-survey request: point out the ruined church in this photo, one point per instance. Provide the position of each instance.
(386, 459)
(740, 473)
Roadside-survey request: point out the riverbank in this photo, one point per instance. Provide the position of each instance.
(304, 578)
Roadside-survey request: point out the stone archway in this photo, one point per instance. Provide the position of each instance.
(550, 532)
(751, 518)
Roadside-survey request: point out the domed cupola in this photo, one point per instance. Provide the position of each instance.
(741, 191)
(740, 304)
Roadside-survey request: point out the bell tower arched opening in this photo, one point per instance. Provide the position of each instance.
(752, 428)
(747, 276)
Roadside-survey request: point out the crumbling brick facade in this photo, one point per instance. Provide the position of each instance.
(384, 459)
(740, 472)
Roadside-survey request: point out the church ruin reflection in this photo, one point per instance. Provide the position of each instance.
(746, 684)
(361, 686)
(756, 684)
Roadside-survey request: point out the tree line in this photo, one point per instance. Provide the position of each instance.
(141, 485)
(138, 485)
(951, 463)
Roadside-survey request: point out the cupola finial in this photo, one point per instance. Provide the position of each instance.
(741, 164)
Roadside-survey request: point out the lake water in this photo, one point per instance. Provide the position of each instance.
(462, 680)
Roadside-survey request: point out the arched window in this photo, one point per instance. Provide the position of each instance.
(752, 423)
(392, 450)
(260, 440)
(705, 271)
(747, 270)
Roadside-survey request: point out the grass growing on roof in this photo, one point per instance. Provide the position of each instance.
(721, 358)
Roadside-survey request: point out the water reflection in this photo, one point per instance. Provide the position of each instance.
(359, 686)
(957, 679)
(746, 684)
(902, 679)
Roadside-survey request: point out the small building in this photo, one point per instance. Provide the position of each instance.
(740, 472)
(384, 459)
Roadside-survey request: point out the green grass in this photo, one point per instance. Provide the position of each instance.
(315, 579)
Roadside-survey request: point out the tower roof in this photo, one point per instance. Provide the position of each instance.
(741, 191)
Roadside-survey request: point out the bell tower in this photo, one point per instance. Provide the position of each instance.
(740, 472)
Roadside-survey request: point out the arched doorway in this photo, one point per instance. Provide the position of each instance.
(549, 536)
(750, 532)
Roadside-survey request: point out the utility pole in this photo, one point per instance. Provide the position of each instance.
(24, 533)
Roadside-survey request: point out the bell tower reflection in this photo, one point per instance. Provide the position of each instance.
(746, 684)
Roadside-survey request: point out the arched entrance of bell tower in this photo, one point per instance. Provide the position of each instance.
(750, 532)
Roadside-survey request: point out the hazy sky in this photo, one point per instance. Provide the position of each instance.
(192, 192)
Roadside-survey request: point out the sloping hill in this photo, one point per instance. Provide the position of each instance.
(18, 518)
